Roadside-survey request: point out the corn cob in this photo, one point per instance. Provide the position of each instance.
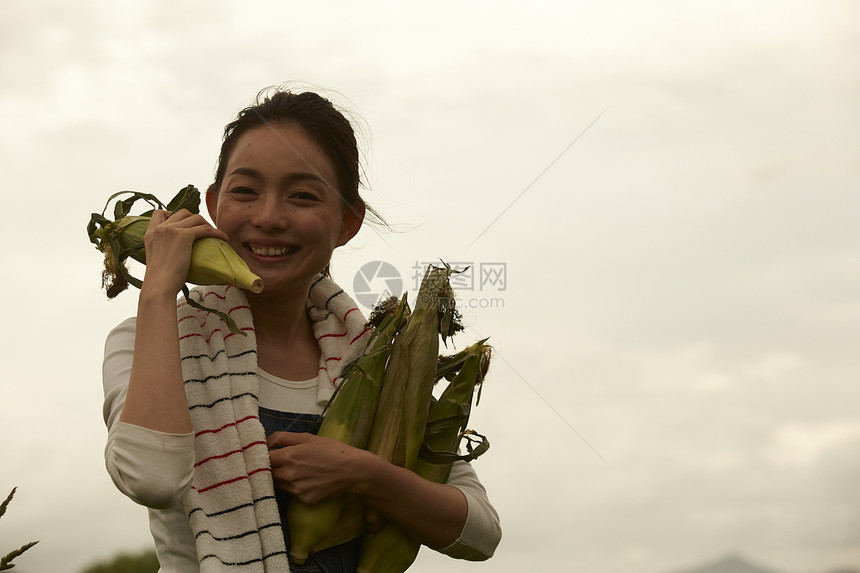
(449, 416)
(410, 374)
(390, 549)
(213, 261)
(348, 418)
(349, 525)
(408, 383)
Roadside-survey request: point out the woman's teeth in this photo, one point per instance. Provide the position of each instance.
(270, 251)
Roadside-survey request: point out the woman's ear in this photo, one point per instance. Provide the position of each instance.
(212, 202)
(353, 216)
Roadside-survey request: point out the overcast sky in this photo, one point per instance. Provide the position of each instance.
(670, 188)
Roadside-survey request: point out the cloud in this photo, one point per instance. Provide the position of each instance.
(681, 283)
(805, 444)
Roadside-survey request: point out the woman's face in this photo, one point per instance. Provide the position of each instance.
(280, 208)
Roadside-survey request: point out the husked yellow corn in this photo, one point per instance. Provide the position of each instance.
(213, 261)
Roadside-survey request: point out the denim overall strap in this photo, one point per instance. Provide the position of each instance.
(338, 559)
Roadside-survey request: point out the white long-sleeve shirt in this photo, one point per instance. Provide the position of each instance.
(154, 469)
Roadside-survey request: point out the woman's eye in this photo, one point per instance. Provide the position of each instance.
(305, 196)
(242, 191)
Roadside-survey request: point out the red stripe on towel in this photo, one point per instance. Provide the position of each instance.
(229, 481)
(212, 292)
(225, 426)
(349, 311)
(246, 329)
(239, 451)
(334, 335)
(363, 332)
(226, 336)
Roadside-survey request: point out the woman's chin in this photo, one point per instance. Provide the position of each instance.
(294, 284)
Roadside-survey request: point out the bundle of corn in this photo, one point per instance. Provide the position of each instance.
(390, 549)
(411, 371)
(407, 387)
(213, 261)
(348, 417)
(403, 356)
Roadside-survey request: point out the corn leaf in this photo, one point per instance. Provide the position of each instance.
(476, 445)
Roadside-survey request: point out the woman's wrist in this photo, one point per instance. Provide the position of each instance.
(157, 292)
(432, 513)
(365, 472)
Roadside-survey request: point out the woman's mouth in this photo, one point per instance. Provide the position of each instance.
(271, 250)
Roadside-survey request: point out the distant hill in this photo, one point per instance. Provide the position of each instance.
(737, 564)
(730, 564)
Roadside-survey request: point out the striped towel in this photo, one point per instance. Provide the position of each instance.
(231, 505)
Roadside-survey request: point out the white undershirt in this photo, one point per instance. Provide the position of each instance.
(288, 395)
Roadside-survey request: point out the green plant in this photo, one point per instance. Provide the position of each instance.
(141, 562)
(6, 561)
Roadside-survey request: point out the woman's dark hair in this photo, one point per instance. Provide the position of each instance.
(321, 121)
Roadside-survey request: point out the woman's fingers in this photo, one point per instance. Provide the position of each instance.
(284, 439)
(161, 215)
(311, 467)
(168, 242)
(184, 221)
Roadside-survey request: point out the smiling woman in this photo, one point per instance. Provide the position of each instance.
(280, 207)
(190, 405)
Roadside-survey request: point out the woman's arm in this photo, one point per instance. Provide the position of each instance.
(483, 530)
(149, 454)
(152, 468)
(314, 468)
(156, 396)
(429, 512)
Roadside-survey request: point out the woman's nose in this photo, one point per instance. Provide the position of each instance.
(270, 214)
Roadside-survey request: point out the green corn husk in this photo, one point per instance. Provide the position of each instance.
(449, 417)
(213, 261)
(348, 418)
(407, 386)
(439, 297)
(390, 549)
(408, 383)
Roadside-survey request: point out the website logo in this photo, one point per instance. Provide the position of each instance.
(376, 281)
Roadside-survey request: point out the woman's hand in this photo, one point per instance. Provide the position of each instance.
(313, 468)
(168, 243)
